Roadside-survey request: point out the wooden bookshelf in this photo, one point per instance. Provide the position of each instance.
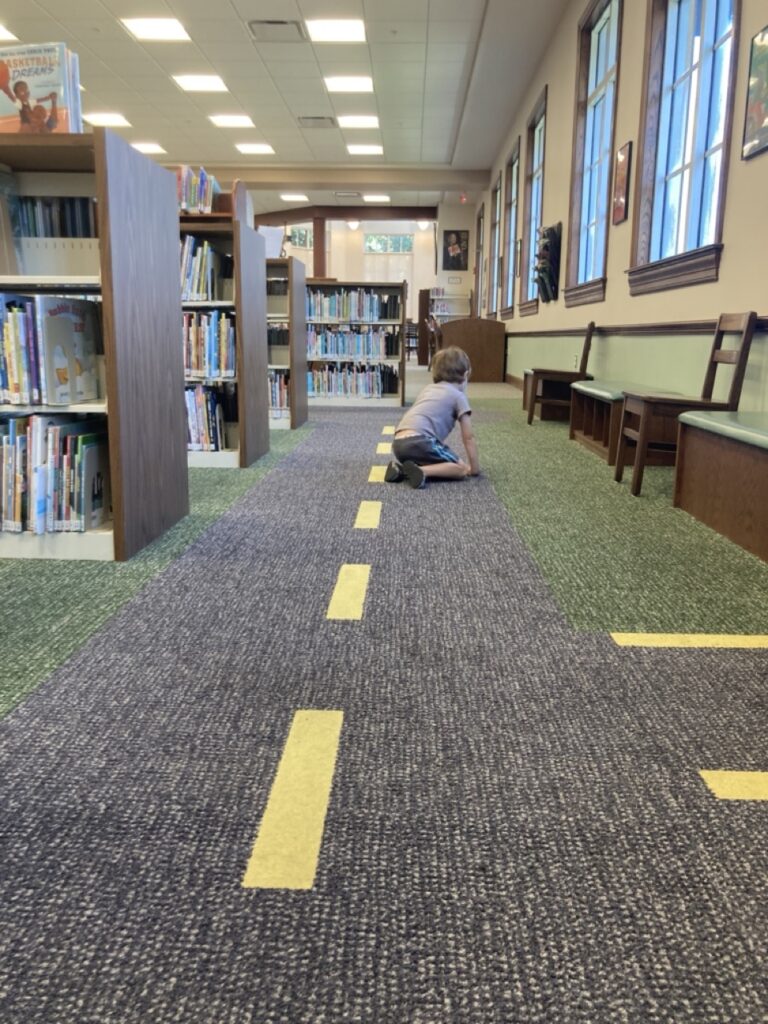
(227, 232)
(339, 321)
(287, 309)
(140, 298)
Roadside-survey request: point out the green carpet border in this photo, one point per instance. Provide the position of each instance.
(51, 608)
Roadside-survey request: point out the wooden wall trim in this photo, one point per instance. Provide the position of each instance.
(306, 214)
(583, 294)
(695, 266)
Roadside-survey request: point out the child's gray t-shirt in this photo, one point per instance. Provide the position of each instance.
(436, 409)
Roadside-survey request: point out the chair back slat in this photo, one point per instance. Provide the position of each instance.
(586, 347)
(729, 323)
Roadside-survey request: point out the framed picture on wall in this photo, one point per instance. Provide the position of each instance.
(756, 115)
(455, 250)
(621, 183)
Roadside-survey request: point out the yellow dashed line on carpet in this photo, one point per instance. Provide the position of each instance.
(388, 431)
(376, 476)
(756, 641)
(348, 596)
(287, 846)
(384, 448)
(368, 515)
(737, 785)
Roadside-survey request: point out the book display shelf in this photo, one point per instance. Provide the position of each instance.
(287, 340)
(355, 342)
(447, 305)
(130, 273)
(226, 382)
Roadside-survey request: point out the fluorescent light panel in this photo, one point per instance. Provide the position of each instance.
(365, 150)
(336, 30)
(358, 121)
(255, 148)
(5, 34)
(155, 28)
(200, 83)
(232, 121)
(107, 120)
(148, 147)
(376, 199)
(289, 197)
(349, 83)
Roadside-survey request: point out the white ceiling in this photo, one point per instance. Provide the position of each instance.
(448, 76)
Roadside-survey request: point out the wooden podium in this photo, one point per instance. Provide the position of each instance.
(483, 341)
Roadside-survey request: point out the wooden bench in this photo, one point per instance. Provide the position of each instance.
(550, 389)
(596, 407)
(721, 475)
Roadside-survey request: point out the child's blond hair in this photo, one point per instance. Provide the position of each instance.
(451, 365)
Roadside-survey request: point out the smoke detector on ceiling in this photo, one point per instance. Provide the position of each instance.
(317, 122)
(277, 31)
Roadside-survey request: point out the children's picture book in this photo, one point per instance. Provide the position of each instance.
(39, 89)
(68, 333)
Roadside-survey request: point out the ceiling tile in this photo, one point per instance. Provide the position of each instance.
(388, 10)
(396, 31)
(293, 53)
(388, 53)
(267, 10)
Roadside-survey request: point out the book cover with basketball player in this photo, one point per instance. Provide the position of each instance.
(39, 89)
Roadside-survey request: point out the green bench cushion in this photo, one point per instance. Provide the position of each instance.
(747, 427)
(606, 390)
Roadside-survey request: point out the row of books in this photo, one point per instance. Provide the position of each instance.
(352, 381)
(352, 305)
(49, 350)
(195, 190)
(352, 344)
(209, 344)
(54, 474)
(39, 89)
(54, 217)
(204, 272)
(208, 409)
(279, 405)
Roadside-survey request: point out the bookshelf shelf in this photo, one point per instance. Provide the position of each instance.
(287, 339)
(138, 256)
(228, 232)
(97, 408)
(360, 303)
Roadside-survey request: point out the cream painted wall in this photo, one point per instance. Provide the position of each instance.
(743, 280)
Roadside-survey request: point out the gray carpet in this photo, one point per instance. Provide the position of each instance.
(517, 832)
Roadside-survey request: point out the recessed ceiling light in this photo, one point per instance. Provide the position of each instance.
(5, 34)
(336, 30)
(232, 121)
(365, 150)
(148, 147)
(200, 83)
(358, 121)
(289, 197)
(107, 120)
(155, 28)
(376, 199)
(349, 83)
(353, 225)
(423, 224)
(255, 148)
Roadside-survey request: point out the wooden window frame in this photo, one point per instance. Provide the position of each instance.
(510, 232)
(696, 266)
(526, 306)
(575, 294)
(494, 250)
(479, 241)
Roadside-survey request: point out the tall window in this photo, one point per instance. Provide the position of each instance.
(479, 243)
(534, 186)
(697, 59)
(598, 144)
(493, 268)
(685, 137)
(510, 229)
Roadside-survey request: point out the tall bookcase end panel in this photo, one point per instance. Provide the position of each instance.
(78, 426)
(287, 340)
(356, 342)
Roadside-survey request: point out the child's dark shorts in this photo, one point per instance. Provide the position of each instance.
(423, 450)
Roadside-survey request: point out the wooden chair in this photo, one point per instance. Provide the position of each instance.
(551, 389)
(649, 421)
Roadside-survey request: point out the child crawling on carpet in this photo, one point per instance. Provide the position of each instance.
(419, 445)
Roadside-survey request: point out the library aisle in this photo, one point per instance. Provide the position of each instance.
(516, 830)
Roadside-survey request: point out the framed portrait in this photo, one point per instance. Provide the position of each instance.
(756, 114)
(455, 250)
(621, 183)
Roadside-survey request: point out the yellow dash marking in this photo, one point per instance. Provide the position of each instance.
(737, 785)
(388, 431)
(690, 640)
(348, 595)
(384, 448)
(368, 515)
(287, 846)
(376, 476)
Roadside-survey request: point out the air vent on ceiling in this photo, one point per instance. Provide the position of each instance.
(317, 122)
(347, 195)
(277, 31)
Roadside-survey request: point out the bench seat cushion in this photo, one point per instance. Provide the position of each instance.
(606, 390)
(747, 427)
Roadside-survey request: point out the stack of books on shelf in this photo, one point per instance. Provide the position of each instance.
(196, 190)
(279, 404)
(371, 344)
(39, 89)
(54, 474)
(352, 381)
(209, 345)
(54, 217)
(209, 409)
(50, 348)
(356, 305)
(204, 272)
